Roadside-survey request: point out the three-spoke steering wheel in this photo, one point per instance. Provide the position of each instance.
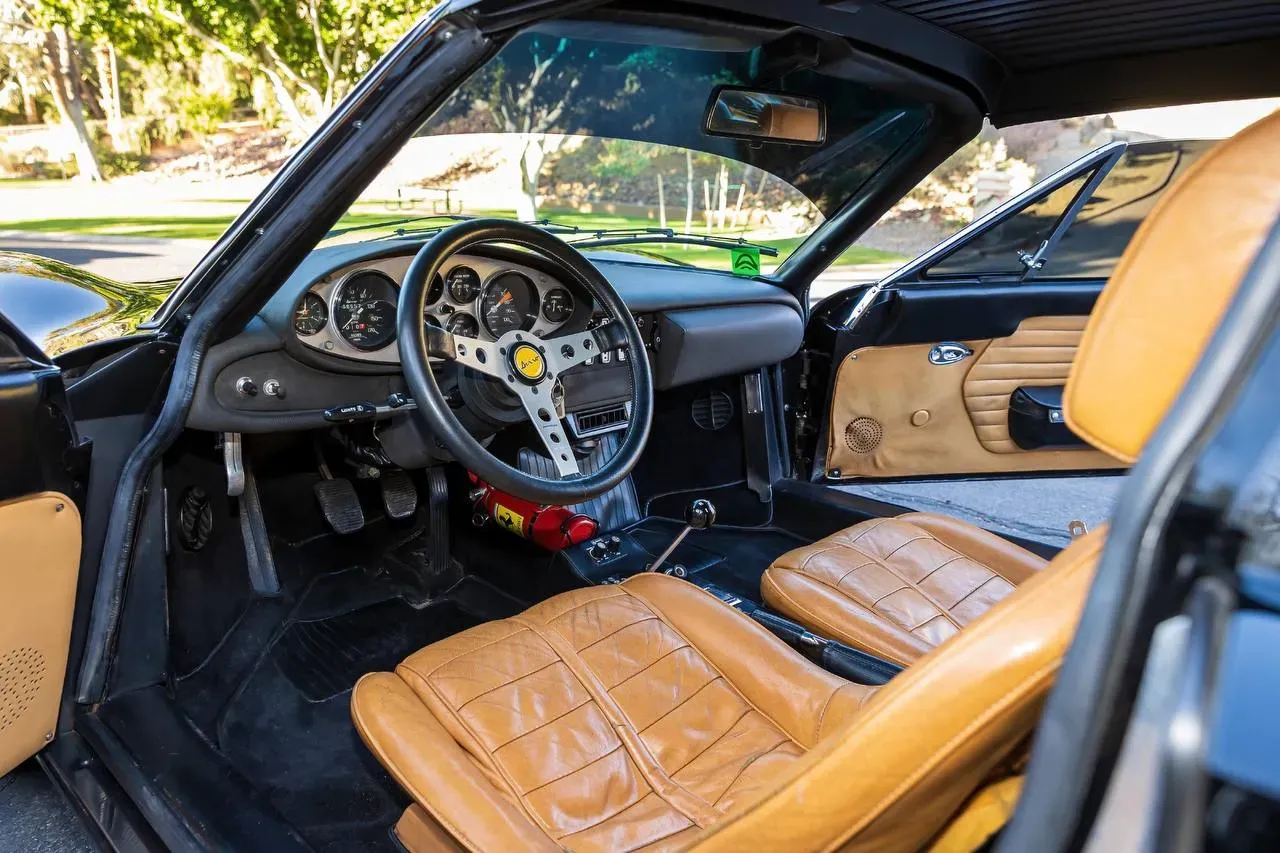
(526, 365)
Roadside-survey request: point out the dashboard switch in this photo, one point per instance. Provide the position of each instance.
(273, 388)
(246, 387)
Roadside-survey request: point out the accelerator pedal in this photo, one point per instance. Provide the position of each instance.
(438, 506)
(340, 505)
(399, 495)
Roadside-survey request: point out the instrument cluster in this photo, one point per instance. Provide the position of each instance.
(351, 312)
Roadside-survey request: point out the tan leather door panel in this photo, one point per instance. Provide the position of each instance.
(39, 563)
(895, 414)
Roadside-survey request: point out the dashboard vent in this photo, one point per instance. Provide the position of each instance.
(599, 421)
(714, 411)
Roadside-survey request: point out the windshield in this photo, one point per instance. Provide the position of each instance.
(604, 143)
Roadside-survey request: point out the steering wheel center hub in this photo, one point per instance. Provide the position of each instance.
(527, 363)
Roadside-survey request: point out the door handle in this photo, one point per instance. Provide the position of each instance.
(948, 352)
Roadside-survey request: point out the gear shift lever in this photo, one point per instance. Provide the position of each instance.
(700, 515)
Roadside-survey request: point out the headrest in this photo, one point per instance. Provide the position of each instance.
(1170, 289)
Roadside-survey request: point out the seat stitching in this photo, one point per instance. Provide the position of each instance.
(978, 587)
(545, 620)
(650, 841)
(905, 544)
(613, 712)
(744, 769)
(805, 562)
(387, 761)
(871, 561)
(575, 770)
(871, 527)
(958, 556)
(445, 663)
(711, 745)
(647, 667)
(611, 633)
(680, 705)
(625, 808)
(496, 765)
(542, 726)
(505, 684)
(834, 630)
(905, 585)
(717, 669)
(926, 596)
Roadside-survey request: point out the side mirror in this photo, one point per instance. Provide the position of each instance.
(766, 116)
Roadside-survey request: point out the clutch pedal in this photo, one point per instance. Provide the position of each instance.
(399, 495)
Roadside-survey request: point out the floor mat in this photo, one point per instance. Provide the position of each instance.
(289, 725)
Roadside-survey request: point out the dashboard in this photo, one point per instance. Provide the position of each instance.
(351, 311)
(327, 339)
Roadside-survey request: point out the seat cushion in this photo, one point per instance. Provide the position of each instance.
(897, 587)
(611, 718)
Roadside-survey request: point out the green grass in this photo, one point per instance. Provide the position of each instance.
(211, 227)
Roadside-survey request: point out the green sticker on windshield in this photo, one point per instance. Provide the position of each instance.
(746, 260)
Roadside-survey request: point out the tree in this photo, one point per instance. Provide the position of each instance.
(311, 51)
(38, 30)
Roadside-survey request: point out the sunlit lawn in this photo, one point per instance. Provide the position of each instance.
(372, 214)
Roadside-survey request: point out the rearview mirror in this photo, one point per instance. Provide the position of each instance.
(766, 116)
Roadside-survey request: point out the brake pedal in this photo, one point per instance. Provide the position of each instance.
(399, 495)
(340, 505)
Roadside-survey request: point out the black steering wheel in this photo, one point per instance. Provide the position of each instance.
(526, 365)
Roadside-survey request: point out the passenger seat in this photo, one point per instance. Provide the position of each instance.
(897, 587)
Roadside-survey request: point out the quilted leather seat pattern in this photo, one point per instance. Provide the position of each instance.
(1039, 352)
(897, 587)
(602, 722)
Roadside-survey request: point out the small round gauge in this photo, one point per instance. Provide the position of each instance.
(510, 303)
(557, 305)
(463, 325)
(365, 310)
(464, 284)
(310, 316)
(436, 290)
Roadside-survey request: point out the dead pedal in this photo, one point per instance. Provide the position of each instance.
(399, 495)
(340, 505)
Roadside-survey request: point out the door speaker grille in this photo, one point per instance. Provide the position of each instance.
(22, 672)
(714, 411)
(863, 435)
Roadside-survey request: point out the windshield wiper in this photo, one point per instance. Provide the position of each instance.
(628, 236)
(452, 217)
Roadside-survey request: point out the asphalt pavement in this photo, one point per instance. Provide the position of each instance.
(119, 258)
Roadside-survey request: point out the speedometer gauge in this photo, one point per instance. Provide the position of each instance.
(310, 315)
(510, 303)
(365, 310)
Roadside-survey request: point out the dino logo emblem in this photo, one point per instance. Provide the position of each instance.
(528, 363)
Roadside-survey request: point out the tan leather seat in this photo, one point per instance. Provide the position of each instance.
(897, 587)
(652, 716)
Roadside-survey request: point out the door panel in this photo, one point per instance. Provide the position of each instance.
(895, 414)
(40, 544)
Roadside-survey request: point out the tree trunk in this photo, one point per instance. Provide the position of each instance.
(530, 170)
(109, 95)
(662, 204)
(64, 76)
(30, 112)
(688, 191)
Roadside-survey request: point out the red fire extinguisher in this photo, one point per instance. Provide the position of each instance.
(552, 527)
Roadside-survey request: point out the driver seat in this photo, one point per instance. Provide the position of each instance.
(652, 716)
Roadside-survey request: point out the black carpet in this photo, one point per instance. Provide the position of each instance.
(288, 725)
(732, 558)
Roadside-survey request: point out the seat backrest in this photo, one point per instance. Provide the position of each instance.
(905, 763)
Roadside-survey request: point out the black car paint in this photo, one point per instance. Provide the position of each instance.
(61, 307)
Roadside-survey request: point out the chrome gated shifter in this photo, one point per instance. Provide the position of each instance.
(700, 515)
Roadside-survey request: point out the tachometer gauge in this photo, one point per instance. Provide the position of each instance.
(557, 305)
(463, 324)
(510, 303)
(463, 283)
(310, 316)
(365, 310)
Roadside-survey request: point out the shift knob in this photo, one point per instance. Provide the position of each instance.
(701, 514)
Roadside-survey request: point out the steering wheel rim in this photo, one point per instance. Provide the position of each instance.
(418, 342)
